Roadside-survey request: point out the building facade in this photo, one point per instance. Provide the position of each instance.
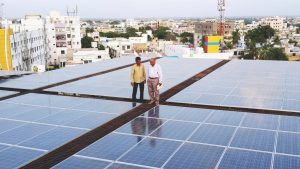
(63, 37)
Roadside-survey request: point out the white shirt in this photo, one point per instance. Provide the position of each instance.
(155, 72)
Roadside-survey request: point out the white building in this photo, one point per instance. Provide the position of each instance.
(28, 49)
(276, 22)
(63, 36)
(84, 56)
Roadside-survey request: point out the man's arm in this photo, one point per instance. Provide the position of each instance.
(132, 75)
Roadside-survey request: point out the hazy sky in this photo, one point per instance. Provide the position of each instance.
(152, 8)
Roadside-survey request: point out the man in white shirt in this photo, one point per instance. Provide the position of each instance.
(154, 79)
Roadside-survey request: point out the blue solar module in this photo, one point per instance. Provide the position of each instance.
(286, 162)
(192, 114)
(141, 126)
(260, 121)
(213, 134)
(9, 110)
(240, 159)
(125, 166)
(15, 157)
(195, 156)
(288, 123)
(254, 139)
(151, 152)
(6, 125)
(288, 143)
(22, 133)
(226, 118)
(210, 99)
(80, 163)
(52, 139)
(111, 147)
(292, 105)
(175, 130)
(36, 114)
(63, 117)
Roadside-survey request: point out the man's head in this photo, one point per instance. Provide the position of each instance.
(152, 61)
(138, 60)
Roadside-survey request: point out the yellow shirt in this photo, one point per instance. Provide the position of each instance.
(138, 73)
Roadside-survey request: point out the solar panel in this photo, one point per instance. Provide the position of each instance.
(251, 84)
(288, 143)
(213, 134)
(195, 156)
(241, 159)
(79, 163)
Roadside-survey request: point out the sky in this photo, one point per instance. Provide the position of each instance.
(152, 8)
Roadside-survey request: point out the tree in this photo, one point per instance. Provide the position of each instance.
(187, 37)
(257, 37)
(235, 37)
(131, 32)
(162, 32)
(270, 53)
(89, 30)
(86, 42)
(101, 47)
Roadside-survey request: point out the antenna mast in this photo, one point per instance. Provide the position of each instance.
(221, 25)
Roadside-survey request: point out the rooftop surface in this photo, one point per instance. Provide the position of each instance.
(213, 114)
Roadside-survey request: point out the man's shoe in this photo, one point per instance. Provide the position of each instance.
(151, 102)
(157, 103)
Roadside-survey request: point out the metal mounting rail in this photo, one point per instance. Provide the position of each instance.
(65, 151)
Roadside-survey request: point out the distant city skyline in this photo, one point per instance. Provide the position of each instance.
(152, 9)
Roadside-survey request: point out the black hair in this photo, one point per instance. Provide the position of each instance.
(138, 59)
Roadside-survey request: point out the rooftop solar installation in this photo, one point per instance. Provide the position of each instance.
(253, 84)
(43, 79)
(4, 73)
(33, 124)
(232, 114)
(117, 83)
(161, 138)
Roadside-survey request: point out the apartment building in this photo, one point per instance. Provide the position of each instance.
(63, 36)
(276, 22)
(211, 28)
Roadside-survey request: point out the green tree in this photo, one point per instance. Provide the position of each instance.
(131, 32)
(256, 38)
(162, 32)
(235, 37)
(270, 53)
(86, 42)
(187, 37)
(89, 30)
(101, 47)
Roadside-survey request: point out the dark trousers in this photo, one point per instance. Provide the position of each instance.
(135, 86)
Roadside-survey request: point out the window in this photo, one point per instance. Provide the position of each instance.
(69, 35)
(62, 52)
(128, 47)
(99, 57)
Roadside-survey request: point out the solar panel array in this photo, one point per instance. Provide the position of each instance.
(252, 84)
(176, 137)
(43, 79)
(117, 83)
(32, 125)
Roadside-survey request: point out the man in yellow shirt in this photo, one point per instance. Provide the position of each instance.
(138, 78)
